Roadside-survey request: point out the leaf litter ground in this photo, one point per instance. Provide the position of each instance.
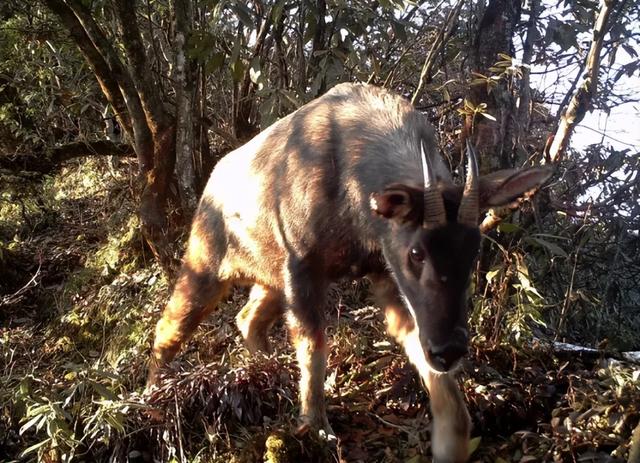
(74, 346)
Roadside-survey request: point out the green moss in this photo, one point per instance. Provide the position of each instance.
(115, 254)
(276, 449)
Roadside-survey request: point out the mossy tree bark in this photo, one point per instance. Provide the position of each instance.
(153, 200)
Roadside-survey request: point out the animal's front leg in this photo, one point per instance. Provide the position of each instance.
(305, 295)
(451, 422)
(311, 352)
(194, 297)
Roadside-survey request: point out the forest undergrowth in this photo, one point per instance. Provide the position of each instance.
(79, 299)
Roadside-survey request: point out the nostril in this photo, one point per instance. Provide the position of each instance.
(443, 358)
(438, 362)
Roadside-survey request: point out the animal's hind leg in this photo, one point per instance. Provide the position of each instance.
(195, 295)
(256, 318)
(451, 422)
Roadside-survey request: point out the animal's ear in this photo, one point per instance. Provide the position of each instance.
(397, 201)
(505, 186)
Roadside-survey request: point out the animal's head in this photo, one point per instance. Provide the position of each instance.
(433, 245)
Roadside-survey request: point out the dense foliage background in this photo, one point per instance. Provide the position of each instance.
(112, 114)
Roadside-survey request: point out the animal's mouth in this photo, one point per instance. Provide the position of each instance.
(444, 358)
(441, 364)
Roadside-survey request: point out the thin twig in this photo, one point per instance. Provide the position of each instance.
(443, 36)
(565, 305)
(15, 297)
(179, 426)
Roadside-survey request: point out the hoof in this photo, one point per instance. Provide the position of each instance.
(320, 428)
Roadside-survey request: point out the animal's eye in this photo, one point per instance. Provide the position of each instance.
(417, 255)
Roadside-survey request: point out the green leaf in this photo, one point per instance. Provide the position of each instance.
(473, 444)
(244, 14)
(254, 70)
(217, 11)
(24, 386)
(215, 62)
(237, 46)
(267, 111)
(25, 427)
(478, 81)
(446, 95)
(277, 11)
(552, 247)
(399, 31)
(103, 391)
(630, 50)
(34, 447)
(310, 32)
(562, 33)
(508, 227)
(491, 274)
(292, 98)
(115, 422)
(237, 70)
(106, 374)
(40, 409)
(553, 237)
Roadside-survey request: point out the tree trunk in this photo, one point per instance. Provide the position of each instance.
(101, 69)
(494, 35)
(153, 200)
(492, 138)
(142, 137)
(138, 105)
(144, 81)
(183, 77)
(244, 126)
(524, 107)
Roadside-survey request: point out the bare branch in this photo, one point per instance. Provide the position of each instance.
(581, 101)
(100, 67)
(141, 132)
(48, 161)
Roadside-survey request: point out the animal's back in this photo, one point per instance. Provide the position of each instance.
(302, 185)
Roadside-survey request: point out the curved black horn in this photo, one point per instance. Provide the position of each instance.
(469, 209)
(434, 214)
